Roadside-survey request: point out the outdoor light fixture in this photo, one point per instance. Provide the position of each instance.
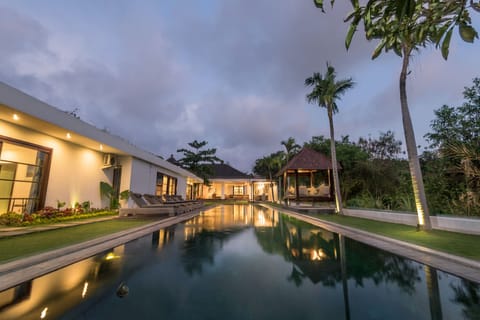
(16, 117)
(85, 288)
(101, 147)
(44, 313)
(69, 136)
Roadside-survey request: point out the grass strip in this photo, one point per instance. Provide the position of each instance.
(459, 244)
(33, 243)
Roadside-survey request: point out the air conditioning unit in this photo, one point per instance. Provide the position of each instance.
(109, 160)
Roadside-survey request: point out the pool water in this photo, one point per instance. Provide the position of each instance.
(244, 262)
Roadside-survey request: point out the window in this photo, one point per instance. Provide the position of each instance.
(24, 171)
(238, 190)
(159, 184)
(165, 185)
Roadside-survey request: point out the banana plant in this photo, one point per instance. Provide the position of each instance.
(108, 192)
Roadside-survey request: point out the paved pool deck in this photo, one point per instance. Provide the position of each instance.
(18, 271)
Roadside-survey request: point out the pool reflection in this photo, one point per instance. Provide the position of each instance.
(239, 244)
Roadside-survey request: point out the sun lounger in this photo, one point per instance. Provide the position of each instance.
(180, 207)
(144, 208)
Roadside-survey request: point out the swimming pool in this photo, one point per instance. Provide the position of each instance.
(244, 262)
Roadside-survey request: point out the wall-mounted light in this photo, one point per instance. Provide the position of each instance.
(15, 117)
(69, 136)
(101, 147)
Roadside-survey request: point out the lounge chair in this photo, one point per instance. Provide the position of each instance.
(146, 209)
(177, 199)
(180, 207)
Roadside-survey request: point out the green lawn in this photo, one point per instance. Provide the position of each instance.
(25, 245)
(459, 244)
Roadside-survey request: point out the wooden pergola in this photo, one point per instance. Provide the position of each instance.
(305, 165)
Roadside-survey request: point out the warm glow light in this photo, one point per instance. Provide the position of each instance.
(261, 218)
(16, 117)
(44, 313)
(420, 214)
(317, 254)
(85, 288)
(111, 256)
(101, 147)
(69, 136)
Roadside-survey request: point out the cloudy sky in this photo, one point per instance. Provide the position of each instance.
(231, 72)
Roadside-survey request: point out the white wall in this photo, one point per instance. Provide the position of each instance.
(75, 172)
(181, 186)
(455, 224)
(144, 178)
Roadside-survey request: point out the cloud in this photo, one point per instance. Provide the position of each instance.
(162, 74)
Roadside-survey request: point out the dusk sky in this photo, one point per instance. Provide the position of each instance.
(163, 73)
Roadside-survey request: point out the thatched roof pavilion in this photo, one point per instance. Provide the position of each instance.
(305, 164)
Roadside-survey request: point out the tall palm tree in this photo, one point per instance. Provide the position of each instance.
(403, 27)
(326, 91)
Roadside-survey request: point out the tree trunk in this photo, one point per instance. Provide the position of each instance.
(271, 186)
(414, 164)
(333, 151)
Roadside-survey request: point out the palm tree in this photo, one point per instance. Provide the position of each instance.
(404, 27)
(270, 164)
(291, 146)
(326, 91)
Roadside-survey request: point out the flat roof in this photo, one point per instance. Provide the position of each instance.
(44, 118)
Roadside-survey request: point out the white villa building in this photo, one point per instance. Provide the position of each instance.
(48, 155)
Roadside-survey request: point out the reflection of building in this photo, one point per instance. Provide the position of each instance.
(312, 250)
(230, 216)
(48, 155)
(55, 293)
(229, 183)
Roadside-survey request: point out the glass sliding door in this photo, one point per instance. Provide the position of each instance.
(24, 171)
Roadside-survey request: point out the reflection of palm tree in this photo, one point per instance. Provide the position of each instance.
(468, 294)
(343, 268)
(433, 292)
(380, 266)
(296, 276)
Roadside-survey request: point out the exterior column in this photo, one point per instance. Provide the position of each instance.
(297, 191)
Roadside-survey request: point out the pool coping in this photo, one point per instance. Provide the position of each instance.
(459, 266)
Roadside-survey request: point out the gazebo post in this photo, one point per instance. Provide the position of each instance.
(297, 190)
(330, 183)
(311, 186)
